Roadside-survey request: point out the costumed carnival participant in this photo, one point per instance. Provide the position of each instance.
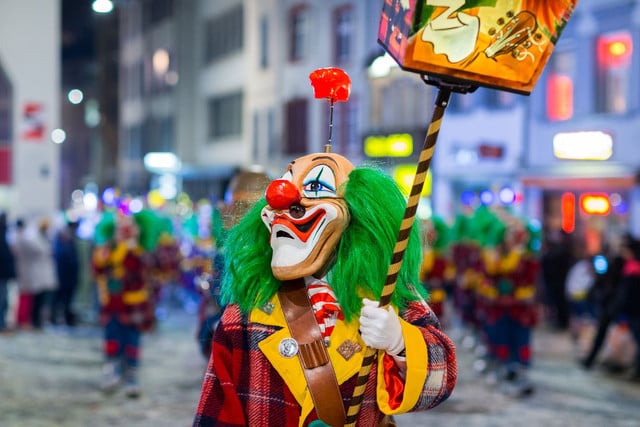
(165, 274)
(437, 271)
(318, 247)
(507, 300)
(465, 252)
(120, 264)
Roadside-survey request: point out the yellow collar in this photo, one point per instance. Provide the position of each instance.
(290, 369)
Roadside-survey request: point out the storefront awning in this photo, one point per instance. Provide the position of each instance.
(580, 176)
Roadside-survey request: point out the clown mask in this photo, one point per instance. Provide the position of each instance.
(306, 214)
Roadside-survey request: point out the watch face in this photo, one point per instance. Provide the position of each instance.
(306, 214)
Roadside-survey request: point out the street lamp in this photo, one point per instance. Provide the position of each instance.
(102, 6)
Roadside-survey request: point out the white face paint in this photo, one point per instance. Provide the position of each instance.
(303, 237)
(293, 240)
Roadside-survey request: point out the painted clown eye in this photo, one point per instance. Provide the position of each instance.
(319, 183)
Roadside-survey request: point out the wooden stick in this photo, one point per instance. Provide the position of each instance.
(442, 100)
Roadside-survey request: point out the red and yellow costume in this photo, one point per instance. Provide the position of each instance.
(310, 217)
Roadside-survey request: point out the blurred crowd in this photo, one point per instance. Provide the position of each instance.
(491, 275)
(499, 277)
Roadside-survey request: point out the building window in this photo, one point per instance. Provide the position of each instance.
(225, 115)
(134, 80)
(271, 133)
(133, 140)
(163, 71)
(6, 100)
(343, 34)
(224, 35)
(560, 86)
(613, 52)
(156, 11)
(500, 99)
(298, 23)
(255, 152)
(406, 103)
(345, 139)
(296, 126)
(165, 135)
(131, 19)
(6, 134)
(264, 42)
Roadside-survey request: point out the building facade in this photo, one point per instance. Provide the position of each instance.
(225, 84)
(29, 107)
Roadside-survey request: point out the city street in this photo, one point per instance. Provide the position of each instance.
(50, 379)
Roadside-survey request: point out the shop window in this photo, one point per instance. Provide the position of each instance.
(559, 93)
(225, 115)
(613, 52)
(296, 126)
(343, 34)
(298, 32)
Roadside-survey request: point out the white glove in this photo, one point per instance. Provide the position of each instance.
(380, 327)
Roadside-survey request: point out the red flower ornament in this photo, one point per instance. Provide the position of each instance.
(331, 83)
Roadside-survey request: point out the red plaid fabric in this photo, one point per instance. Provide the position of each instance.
(241, 387)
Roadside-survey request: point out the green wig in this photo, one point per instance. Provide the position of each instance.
(363, 254)
(105, 228)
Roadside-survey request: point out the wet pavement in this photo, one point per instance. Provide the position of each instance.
(51, 378)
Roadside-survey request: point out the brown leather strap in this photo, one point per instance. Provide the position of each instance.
(316, 365)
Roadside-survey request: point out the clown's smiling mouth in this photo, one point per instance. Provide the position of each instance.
(302, 228)
(284, 234)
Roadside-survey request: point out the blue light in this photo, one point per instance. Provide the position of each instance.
(467, 197)
(486, 197)
(109, 196)
(600, 264)
(622, 208)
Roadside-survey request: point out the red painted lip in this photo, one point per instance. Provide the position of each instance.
(302, 228)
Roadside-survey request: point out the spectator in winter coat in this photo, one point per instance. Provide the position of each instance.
(627, 301)
(68, 270)
(35, 268)
(7, 271)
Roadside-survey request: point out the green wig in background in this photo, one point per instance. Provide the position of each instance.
(105, 228)
(363, 254)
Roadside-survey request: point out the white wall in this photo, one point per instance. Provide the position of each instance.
(30, 54)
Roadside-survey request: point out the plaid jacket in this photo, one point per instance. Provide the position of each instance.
(248, 383)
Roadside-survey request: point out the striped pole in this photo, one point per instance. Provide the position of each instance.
(442, 100)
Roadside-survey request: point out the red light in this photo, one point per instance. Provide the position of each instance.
(614, 50)
(595, 204)
(568, 212)
(559, 97)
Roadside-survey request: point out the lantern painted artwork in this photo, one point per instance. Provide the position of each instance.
(502, 44)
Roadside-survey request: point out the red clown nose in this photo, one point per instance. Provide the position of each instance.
(281, 194)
